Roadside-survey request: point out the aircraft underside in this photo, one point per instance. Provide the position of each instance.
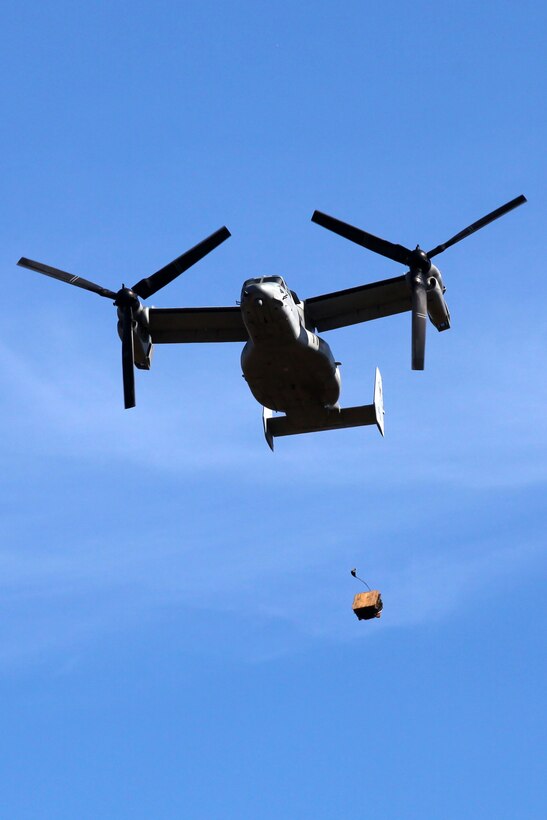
(297, 376)
(291, 370)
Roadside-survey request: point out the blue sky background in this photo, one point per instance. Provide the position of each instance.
(176, 634)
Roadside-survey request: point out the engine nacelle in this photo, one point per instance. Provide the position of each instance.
(437, 308)
(142, 342)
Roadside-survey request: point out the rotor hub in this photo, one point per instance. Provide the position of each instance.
(126, 298)
(419, 260)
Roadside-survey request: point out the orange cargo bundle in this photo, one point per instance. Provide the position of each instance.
(367, 605)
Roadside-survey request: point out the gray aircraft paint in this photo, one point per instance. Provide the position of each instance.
(288, 367)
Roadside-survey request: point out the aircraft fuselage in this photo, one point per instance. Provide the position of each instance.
(288, 367)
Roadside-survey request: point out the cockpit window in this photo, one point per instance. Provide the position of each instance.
(278, 280)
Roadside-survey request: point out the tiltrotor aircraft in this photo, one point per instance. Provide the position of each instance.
(288, 367)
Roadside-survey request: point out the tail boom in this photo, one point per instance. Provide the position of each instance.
(328, 419)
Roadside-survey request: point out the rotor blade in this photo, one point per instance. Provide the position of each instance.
(63, 276)
(146, 287)
(419, 320)
(396, 252)
(480, 223)
(128, 358)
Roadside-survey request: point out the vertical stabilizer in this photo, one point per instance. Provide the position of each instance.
(266, 416)
(379, 401)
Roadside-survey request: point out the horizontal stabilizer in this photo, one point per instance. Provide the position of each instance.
(329, 419)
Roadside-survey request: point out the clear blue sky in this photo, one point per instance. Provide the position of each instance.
(176, 634)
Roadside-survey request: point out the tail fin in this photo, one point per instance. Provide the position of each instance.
(266, 419)
(379, 401)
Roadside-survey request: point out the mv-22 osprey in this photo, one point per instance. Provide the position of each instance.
(288, 367)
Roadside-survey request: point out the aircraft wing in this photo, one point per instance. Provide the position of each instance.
(361, 304)
(209, 324)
